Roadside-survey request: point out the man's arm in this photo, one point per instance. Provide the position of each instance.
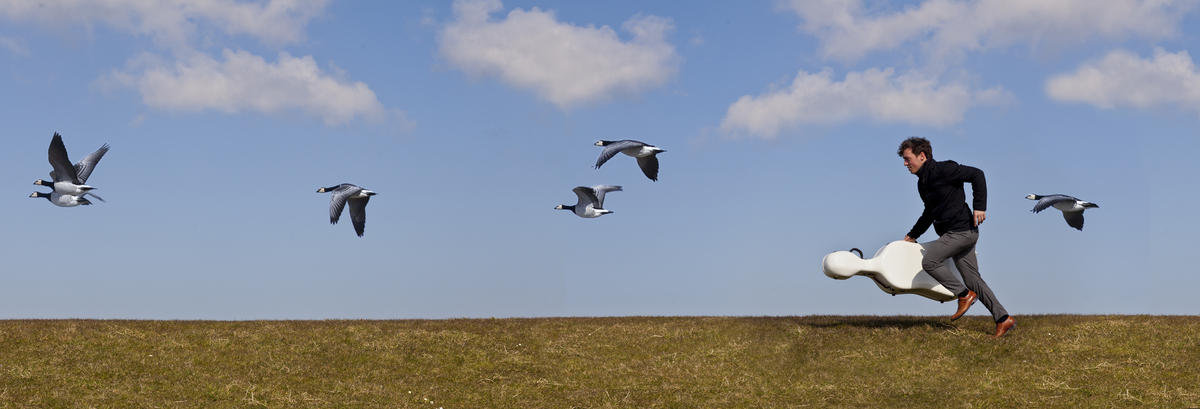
(979, 192)
(922, 225)
(974, 176)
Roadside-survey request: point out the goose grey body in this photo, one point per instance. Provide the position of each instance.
(1072, 208)
(356, 196)
(647, 155)
(68, 179)
(591, 201)
(62, 200)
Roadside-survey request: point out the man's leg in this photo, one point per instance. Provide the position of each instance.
(946, 246)
(968, 266)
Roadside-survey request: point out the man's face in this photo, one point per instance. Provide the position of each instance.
(913, 162)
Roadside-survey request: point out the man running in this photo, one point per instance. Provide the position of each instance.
(940, 185)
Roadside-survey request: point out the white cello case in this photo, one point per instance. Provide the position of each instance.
(896, 269)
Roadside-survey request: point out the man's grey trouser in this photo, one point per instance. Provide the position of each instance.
(960, 245)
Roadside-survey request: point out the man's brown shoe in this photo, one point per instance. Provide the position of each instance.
(963, 304)
(1003, 327)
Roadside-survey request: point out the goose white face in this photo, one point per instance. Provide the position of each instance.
(1031, 197)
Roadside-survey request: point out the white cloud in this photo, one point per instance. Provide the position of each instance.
(173, 23)
(944, 31)
(873, 94)
(1122, 78)
(244, 82)
(947, 28)
(195, 81)
(16, 45)
(563, 63)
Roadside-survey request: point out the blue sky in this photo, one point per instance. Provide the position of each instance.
(473, 119)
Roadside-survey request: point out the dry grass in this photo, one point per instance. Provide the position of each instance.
(674, 362)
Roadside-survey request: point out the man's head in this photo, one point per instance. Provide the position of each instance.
(915, 151)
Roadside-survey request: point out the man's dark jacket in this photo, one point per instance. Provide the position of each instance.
(941, 187)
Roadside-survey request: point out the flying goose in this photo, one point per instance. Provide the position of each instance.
(358, 198)
(62, 200)
(70, 179)
(647, 155)
(1071, 207)
(591, 201)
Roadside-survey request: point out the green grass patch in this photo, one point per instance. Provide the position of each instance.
(620, 362)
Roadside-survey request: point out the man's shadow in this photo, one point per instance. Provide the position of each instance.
(874, 321)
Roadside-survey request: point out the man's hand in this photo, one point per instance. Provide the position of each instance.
(979, 217)
(909, 239)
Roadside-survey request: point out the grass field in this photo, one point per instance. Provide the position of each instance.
(626, 362)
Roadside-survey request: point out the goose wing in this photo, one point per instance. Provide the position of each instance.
(64, 171)
(358, 214)
(587, 196)
(649, 165)
(337, 202)
(600, 190)
(1074, 219)
(614, 148)
(1050, 200)
(83, 169)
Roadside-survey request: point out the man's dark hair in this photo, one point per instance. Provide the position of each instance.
(918, 145)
